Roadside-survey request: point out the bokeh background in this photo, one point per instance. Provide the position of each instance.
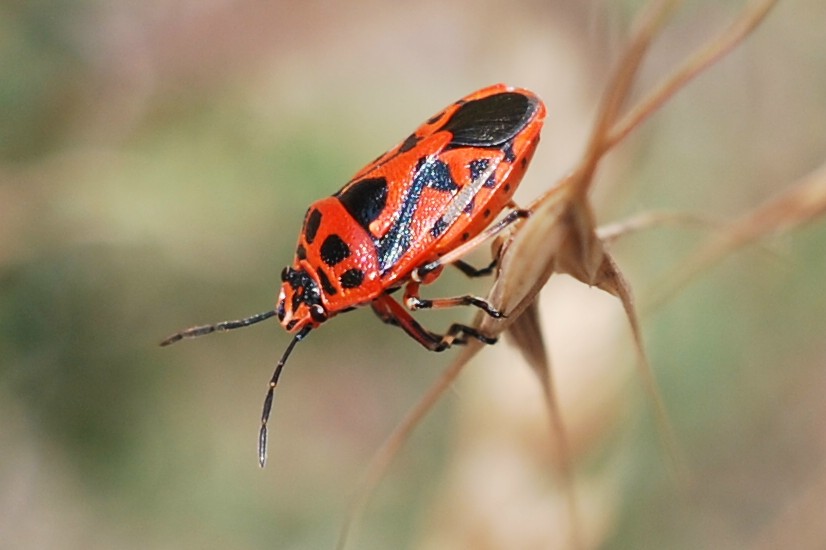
(156, 160)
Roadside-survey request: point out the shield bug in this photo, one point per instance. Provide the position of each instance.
(399, 220)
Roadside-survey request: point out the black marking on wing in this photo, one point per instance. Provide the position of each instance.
(490, 121)
(469, 208)
(432, 173)
(510, 156)
(408, 144)
(435, 174)
(435, 118)
(477, 167)
(365, 200)
(438, 228)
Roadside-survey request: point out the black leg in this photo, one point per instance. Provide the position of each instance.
(472, 271)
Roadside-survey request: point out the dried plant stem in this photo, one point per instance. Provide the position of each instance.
(527, 335)
(804, 201)
(566, 471)
(384, 456)
(621, 289)
(709, 54)
(652, 218)
(618, 88)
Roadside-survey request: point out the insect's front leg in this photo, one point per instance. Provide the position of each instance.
(391, 312)
(414, 302)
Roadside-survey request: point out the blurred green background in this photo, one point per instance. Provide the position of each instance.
(156, 160)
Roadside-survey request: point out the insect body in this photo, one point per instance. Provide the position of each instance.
(434, 195)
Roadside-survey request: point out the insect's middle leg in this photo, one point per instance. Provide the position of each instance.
(414, 302)
(391, 312)
(472, 271)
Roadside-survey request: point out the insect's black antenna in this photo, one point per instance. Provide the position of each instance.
(194, 332)
(265, 414)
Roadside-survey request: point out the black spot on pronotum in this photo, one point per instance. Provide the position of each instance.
(351, 278)
(328, 287)
(311, 226)
(365, 199)
(409, 143)
(334, 250)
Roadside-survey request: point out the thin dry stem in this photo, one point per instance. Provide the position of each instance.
(527, 335)
(706, 56)
(618, 89)
(803, 202)
(616, 284)
(388, 451)
(647, 220)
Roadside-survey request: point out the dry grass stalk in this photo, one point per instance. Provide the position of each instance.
(804, 201)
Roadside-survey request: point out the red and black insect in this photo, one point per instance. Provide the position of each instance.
(416, 208)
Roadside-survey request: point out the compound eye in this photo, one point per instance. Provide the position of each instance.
(318, 314)
(285, 274)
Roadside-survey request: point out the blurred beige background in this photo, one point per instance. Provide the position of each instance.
(156, 160)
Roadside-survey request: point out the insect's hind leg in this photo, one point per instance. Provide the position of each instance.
(391, 312)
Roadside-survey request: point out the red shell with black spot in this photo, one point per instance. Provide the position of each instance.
(443, 185)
